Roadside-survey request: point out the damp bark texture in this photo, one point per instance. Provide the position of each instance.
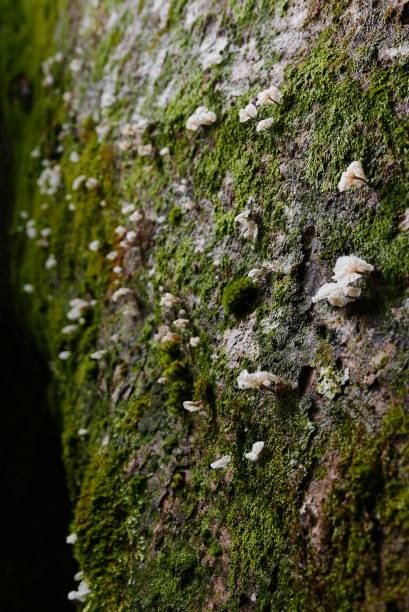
(320, 521)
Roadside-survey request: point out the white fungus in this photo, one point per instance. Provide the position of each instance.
(248, 112)
(181, 323)
(64, 355)
(77, 182)
(91, 183)
(49, 179)
(28, 288)
(31, 232)
(171, 337)
(82, 432)
(72, 538)
(264, 124)
(69, 329)
(81, 594)
(271, 95)
(256, 380)
(256, 449)
(145, 150)
(337, 294)
(120, 231)
(51, 262)
(168, 300)
(127, 209)
(162, 331)
(136, 216)
(94, 245)
(111, 255)
(194, 341)
(163, 380)
(120, 293)
(74, 157)
(354, 176)
(221, 463)
(75, 65)
(78, 307)
(201, 116)
(131, 236)
(117, 269)
(98, 355)
(350, 268)
(193, 406)
(249, 227)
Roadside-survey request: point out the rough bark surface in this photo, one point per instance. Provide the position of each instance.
(321, 520)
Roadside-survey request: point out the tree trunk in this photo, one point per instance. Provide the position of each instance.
(319, 519)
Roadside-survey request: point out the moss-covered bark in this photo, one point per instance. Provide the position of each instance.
(320, 522)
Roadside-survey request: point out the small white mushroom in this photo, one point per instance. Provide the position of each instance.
(201, 116)
(221, 463)
(350, 268)
(249, 227)
(81, 594)
(94, 245)
(171, 337)
(131, 236)
(256, 380)
(69, 329)
(337, 294)
(28, 288)
(75, 65)
(98, 355)
(136, 216)
(72, 538)
(74, 157)
(162, 331)
(271, 95)
(168, 300)
(193, 406)
(91, 183)
(82, 432)
(76, 184)
(120, 293)
(248, 112)
(181, 323)
(111, 255)
(145, 150)
(50, 262)
(64, 355)
(264, 124)
(256, 449)
(354, 176)
(194, 341)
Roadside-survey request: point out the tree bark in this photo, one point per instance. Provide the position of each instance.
(320, 520)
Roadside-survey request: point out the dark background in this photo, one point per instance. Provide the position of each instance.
(37, 568)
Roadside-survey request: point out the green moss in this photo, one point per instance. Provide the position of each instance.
(175, 215)
(159, 530)
(239, 297)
